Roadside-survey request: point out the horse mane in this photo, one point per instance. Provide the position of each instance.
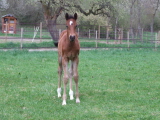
(56, 44)
(70, 17)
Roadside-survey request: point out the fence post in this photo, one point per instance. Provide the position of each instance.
(89, 34)
(96, 39)
(59, 32)
(99, 31)
(156, 38)
(128, 39)
(122, 35)
(6, 31)
(21, 38)
(40, 31)
(142, 35)
(115, 33)
(107, 33)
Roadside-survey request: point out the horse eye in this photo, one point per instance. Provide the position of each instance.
(66, 26)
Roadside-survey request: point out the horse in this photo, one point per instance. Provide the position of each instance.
(68, 51)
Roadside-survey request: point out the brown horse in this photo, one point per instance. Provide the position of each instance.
(68, 50)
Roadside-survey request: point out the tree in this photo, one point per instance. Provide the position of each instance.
(53, 8)
(22, 10)
(154, 8)
(132, 15)
(4, 5)
(139, 7)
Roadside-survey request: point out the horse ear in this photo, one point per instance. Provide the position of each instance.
(66, 16)
(75, 16)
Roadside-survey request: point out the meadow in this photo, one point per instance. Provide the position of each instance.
(83, 43)
(114, 84)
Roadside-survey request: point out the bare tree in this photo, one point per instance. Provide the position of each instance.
(53, 8)
(154, 8)
(132, 3)
(139, 15)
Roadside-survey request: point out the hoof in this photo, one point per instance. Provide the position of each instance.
(59, 95)
(71, 97)
(77, 100)
(64, 102)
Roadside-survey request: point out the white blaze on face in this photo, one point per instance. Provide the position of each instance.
(71, 22)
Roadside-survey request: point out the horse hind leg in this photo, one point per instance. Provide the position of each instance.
(71, 93)
(75, 75)
(59, 76)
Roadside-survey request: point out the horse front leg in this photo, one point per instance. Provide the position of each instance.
(59, 76)
(75, 75)
(70, 77)
(65, 78)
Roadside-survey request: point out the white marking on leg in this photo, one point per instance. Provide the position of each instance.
(64, 102)
(77, 100)
(59, 92)
(71, 94)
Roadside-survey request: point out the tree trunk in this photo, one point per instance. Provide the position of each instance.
(152, 20)
(51, 25)
(151, 26)
(131, 19)
(132, 7)
(139, 20)
(51, 14)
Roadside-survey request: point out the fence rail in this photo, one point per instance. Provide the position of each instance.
(30, 36)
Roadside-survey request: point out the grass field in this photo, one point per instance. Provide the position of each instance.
(114, 85)
(83, 44)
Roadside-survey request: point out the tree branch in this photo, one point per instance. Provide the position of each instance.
(102, 9)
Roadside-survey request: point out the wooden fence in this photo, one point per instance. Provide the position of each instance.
(100, 34)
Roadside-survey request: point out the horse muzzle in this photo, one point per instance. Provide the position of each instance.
(72, 38)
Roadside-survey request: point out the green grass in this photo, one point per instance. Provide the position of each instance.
(114, 85)
(84, 44)
(29, 33)
(12, 35)
(147, 36)
(26, 45)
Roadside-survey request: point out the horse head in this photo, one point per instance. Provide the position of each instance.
(71, 26)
